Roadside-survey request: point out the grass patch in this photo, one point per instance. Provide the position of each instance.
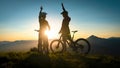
(64, 60)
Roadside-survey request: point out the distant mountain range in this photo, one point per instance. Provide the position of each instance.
(17, 46)
(109, 46)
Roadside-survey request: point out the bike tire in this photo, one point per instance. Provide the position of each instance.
(54, 44)
(82, 44)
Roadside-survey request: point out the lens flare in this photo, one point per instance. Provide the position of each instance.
(51, 34)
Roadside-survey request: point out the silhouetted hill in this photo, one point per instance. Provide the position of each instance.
(109, 46)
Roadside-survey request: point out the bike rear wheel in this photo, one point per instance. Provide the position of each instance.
(56, 46)
(82, 46)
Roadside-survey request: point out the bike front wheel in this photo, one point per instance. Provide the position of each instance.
(56, 46)
(82, 46)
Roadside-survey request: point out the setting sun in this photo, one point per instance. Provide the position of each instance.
(51, 34)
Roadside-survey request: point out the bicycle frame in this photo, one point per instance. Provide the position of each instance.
(71, 40)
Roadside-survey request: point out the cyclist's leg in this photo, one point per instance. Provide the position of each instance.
(40, 44)
(71, 43)
(46, 45)
(64, 38)
(70, 40)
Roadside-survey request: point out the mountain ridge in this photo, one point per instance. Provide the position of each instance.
(109, 46)
(105, 46)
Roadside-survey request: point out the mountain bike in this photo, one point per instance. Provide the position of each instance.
(81, 45)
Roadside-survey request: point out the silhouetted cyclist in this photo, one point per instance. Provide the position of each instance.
(65, 31)
(43, 39)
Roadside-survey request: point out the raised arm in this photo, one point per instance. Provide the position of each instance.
(63, 7)
(41, 8)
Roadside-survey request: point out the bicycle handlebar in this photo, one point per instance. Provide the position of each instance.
(75, 31)
(36, 30)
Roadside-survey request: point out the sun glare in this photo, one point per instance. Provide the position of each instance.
(51, 34)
